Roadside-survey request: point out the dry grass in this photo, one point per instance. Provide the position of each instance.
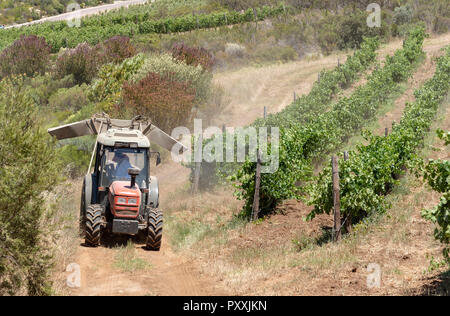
(127, 259)
(64, 224)
(273, 86)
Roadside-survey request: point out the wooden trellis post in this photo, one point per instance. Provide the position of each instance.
(265, 112)
(386, 132)
(198, 164)
(255, 209)
(336, 199)
(348, 221)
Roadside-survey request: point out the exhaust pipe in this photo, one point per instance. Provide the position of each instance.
(133, 172)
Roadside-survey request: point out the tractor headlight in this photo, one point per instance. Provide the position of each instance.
(132, 201)
(121, 200)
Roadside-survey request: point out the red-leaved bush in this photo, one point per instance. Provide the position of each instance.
(167, 102)
(84, 61)
(28, 55)
(116, 49)
(193, 56)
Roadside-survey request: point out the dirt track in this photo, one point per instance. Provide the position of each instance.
(168, 272)
(172, 273)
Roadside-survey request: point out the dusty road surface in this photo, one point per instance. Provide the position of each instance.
(165, 274)
(84, 12)
(105, 271)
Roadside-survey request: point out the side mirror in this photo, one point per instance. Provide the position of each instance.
(158, 156)
(158, 159)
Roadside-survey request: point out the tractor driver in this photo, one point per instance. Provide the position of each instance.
(122, 165)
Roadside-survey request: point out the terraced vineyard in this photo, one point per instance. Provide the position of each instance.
(300, 143)
(373, 169)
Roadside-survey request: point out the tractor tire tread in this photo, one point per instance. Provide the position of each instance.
(93, 226)
(155, 228)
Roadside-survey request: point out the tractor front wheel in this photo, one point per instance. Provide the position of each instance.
(154, 230)
(93, 223)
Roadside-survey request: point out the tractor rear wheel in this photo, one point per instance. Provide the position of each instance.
(154, 230)
(93, 223)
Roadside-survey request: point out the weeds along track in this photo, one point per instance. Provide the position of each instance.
(302, 141)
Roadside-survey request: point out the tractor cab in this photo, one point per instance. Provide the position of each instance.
(119, 150)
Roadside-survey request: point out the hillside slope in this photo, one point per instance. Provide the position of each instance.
(203, 255)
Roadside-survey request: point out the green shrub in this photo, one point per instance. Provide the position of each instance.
(347, 31)
(437, 173)
(28, 169)
(41, 88)
(69, 98)
(353, 28)
(403, 14)
(107, 88)
(75, 155)
(327, 37)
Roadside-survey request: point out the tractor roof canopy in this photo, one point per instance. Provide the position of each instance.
(123, 135)
(110, 131)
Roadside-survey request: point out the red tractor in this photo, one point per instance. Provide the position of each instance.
(118, 194)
